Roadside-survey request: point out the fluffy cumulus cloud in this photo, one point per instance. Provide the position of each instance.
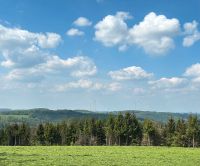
(168, 83)
(81, 65)
(193, 72)
(74, 32)
(21, 48)
(155, 34)
(130, 73)
(191, 32)
(112, 30)
(49, 40)
(78, 66)
(189, 81)
(18, 37)
(26, 57)
(82, 21)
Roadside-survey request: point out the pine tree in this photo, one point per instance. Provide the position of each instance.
(63, 128)
(149, 131)
(100, 133)
(3, 136)
(119, 129)
(40, 134)
(73, 133)
(49, 133)
(180, 134)
(132, 130)
(192, 130)
(110, 136)
(14, 130)
(24, 134)
(170, 130)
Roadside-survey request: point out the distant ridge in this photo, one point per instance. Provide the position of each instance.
(156, 116)
(5, 109)
(38, 115)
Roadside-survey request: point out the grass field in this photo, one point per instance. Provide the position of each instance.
(82, 155)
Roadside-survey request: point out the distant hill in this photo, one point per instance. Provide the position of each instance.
(35, 116)
(156, 116)
(5, 109)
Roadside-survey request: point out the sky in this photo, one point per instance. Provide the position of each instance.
(100, 55)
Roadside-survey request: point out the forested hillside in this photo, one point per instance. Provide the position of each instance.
(36, 116)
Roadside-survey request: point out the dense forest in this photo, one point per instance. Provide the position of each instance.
(122, 129)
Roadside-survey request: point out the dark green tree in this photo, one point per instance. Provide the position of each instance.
(40, 137)
(109, 129)
(132, 130)
(180, 138)
(100, 133)
(170, 131)
(24, 134)
(119, 129)
(192, 130)
(149, 131)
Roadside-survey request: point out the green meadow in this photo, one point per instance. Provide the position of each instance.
(98, 155)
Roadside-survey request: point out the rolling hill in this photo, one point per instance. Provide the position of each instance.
(35, 116)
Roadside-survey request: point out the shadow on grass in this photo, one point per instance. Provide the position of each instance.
(74, 155)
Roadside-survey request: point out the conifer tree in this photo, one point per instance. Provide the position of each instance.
(192, 130)
(170, 131)
(40, 134)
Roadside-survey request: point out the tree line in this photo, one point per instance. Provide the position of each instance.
(123, 129)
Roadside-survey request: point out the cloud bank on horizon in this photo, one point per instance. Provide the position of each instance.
(32, 63)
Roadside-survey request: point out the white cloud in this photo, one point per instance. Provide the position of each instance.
(196, 80)
(21, 48)
(193, 71)
(154, 34)
(74, 32)
(190, 27)
(192, 34)
(81, 65)
(23, 58)
(88, 85)
(83, 84)
(49, 40)
(115, 86)
(82, 21)
(130, 73)
(173, 82)
(15, 37)
(25, 75)
(112, 30)
(26, 58)
(78, 66)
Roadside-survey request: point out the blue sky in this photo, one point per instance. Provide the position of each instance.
(100, 54)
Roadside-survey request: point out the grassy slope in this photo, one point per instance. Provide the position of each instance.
(83, 155)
